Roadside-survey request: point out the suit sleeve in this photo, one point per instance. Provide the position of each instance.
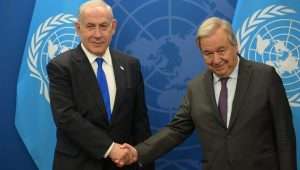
(141, 125)
(141, 128)
(168, 137)
(69, 120)
(283, 124)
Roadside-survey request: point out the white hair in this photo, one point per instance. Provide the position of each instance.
(94, 3)
(210, 25)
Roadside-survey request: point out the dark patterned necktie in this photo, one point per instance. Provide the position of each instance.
(102, 83)
(223, 99)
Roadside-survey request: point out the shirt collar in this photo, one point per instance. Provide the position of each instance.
(233, 75)
(92, 57)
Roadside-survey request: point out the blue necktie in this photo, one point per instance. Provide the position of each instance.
(102, 83)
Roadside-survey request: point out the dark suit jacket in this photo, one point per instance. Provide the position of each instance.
(260, 135)
(83, 131)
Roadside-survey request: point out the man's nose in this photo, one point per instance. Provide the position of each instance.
(216, 58)
(98, 32)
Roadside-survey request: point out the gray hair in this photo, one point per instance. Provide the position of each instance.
(94, 3)
(210, 25)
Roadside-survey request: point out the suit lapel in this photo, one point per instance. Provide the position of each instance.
(211, 95)
(88, 79)
(242, 86)
(120, 78)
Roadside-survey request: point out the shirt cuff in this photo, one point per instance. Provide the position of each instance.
(108, 150)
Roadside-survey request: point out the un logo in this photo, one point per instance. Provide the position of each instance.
(164, 42)
(54, 36)
(271, 36)
(162, 35)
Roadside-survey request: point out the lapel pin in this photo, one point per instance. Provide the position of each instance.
(122, 68)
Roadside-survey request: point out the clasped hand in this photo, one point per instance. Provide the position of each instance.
(123, 154)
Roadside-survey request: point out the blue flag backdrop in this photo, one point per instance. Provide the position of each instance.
(269, 31)
(162, 35)
(51, 32)
(164, 42)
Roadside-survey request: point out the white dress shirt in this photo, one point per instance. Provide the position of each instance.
(110, 78)
(231, 86)
(108, 70)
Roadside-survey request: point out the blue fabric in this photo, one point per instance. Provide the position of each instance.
(268, 32)
(102, 83)
(51, 32)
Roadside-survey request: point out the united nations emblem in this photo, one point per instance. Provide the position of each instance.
(165, 44)
(271, 36)
(54, 36)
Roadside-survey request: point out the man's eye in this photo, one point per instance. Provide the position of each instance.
(103, 27)
(208, 53)
(222, 50)
(90, 26)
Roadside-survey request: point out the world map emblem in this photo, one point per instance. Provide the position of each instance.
(54, 36)
(272, 36)
(161, 34)
(165, 44)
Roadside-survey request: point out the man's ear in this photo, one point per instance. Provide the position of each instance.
(114, 26)
(77, 26)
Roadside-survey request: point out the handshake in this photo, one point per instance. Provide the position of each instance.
(123, 154)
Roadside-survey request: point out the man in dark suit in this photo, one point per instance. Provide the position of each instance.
(238, 108)
(90, 125)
